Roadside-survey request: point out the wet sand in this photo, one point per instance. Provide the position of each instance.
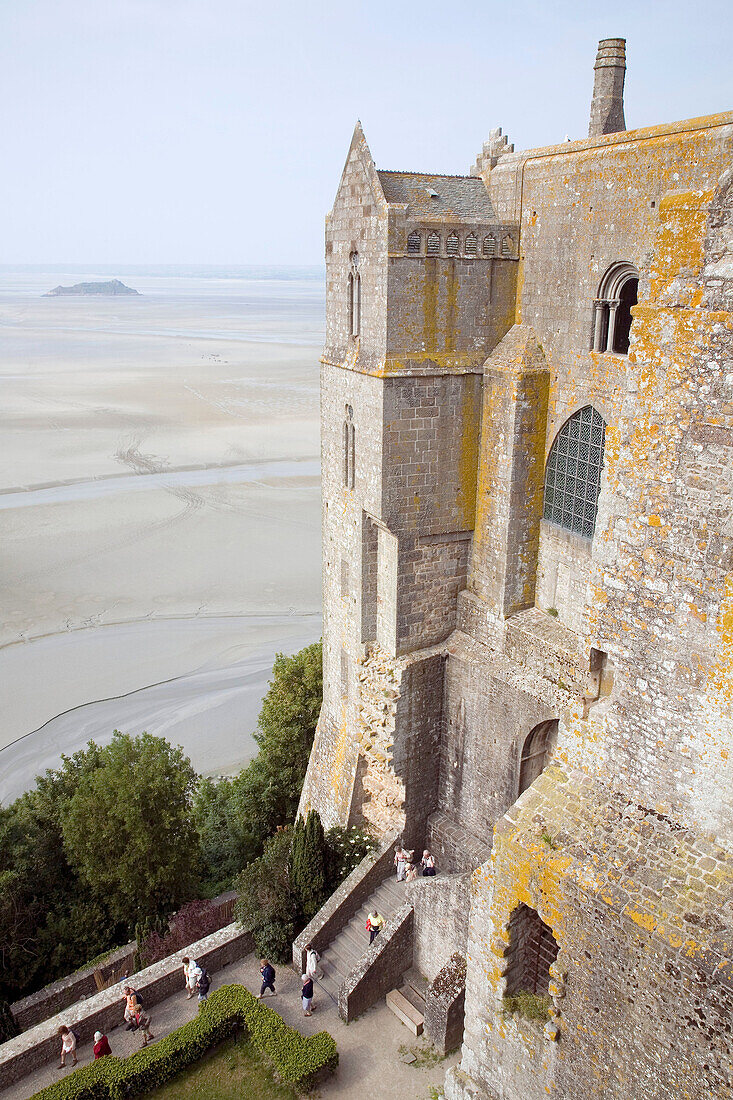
(160, 510)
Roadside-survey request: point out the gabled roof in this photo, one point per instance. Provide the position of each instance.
(462, 196)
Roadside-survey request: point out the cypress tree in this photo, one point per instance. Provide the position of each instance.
(308, 864)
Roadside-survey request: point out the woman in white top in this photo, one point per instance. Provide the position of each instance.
(68, 1045)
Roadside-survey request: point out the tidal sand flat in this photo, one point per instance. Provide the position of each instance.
(160, 508)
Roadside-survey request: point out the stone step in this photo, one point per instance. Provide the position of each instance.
(406, 1012)
(356, 939)
(416, 981)
(329, 986)
(344, 958)
(416, 999)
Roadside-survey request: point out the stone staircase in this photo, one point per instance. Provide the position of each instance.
(344, 952)
(408, 1002)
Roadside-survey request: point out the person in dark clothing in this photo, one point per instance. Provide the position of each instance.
(268, 978)
(101, 1045)
(307, 994)
(203, 985)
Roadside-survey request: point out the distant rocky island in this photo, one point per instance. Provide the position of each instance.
(114, 286)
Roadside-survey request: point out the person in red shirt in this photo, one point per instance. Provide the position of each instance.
(101, 1045)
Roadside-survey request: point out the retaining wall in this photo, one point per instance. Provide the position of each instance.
(380, 967)
(105, 1010)
(345, 901)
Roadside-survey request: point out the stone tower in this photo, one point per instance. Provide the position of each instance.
(607, 105)
(421, 281)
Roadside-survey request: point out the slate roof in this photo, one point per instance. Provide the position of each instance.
(462, 196)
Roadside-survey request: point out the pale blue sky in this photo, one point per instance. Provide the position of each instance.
(214, 131)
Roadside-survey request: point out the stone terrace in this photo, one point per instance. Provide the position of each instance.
(370, 1061)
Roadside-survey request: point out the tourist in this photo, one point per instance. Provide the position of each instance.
(101, 1045)
(143, 1022)
(132, 1000)
(374, 924)
(191, 974)
(312, 959)
(428, 864)
(307, 994)
(68, 1045)
(268, 978)
(401, 859)
(411, 873)
(203, 985)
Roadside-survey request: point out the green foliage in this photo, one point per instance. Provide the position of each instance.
(266, 902)
(308, 865)
(531, 1006)
(235, 1070)
(346, 850)
(296, 1059)
(50, 920)
(127, 828)
(235, 816)
(8, 1027)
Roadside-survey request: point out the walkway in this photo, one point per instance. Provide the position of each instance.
(370, 1061)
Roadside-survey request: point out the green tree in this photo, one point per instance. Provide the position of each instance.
(128, 830)
(309, 859)
(234, 817)
(266, 904)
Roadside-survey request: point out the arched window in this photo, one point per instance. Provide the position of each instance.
(532, 951)
(471, 244)
(538, 745)
(354, 296)
(489, 246)
(349, 448)
(414, 240)
(573, 472)
(433, 244)
(617, 293)
(452, 245)
(507, 244)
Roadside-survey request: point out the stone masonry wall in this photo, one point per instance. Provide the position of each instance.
(642, 989)
(441, 907)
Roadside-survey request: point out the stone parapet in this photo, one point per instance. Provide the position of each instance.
(104, 1011)
(75, 987)
(345, 901)
(380, 967)
(445, 1005)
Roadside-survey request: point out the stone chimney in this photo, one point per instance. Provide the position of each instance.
(607, 105)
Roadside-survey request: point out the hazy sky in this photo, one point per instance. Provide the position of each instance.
(214, 131)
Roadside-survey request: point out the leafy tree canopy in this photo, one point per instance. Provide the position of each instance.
(128, 831)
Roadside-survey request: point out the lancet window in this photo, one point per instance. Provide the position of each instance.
(354, 296)
(532, 951)
(349, 448)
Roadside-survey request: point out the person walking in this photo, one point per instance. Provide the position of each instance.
(374, 924)
(143, 1022)
(132, 1000)
(312, 961)
(306, 994)
(191, 974)
(203, 985)
(101, 1045)
(400, 862)
(428, 864)
(268, 978)
(68, 1045)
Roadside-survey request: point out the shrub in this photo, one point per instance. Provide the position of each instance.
(296, 1059)
(192, 922)
(274, 941)
(346, 850)
(531, 1006)
(8, 1027)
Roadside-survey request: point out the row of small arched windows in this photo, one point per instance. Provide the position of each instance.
(492, 245)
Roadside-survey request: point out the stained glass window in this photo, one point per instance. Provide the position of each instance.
(573, 474)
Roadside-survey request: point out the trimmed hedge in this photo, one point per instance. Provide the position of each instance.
(296, 1058)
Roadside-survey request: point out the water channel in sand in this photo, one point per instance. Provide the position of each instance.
(160, 508)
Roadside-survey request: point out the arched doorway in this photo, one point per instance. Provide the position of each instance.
(538, 745)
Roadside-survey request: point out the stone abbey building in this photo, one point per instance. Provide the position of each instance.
(527, 434)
